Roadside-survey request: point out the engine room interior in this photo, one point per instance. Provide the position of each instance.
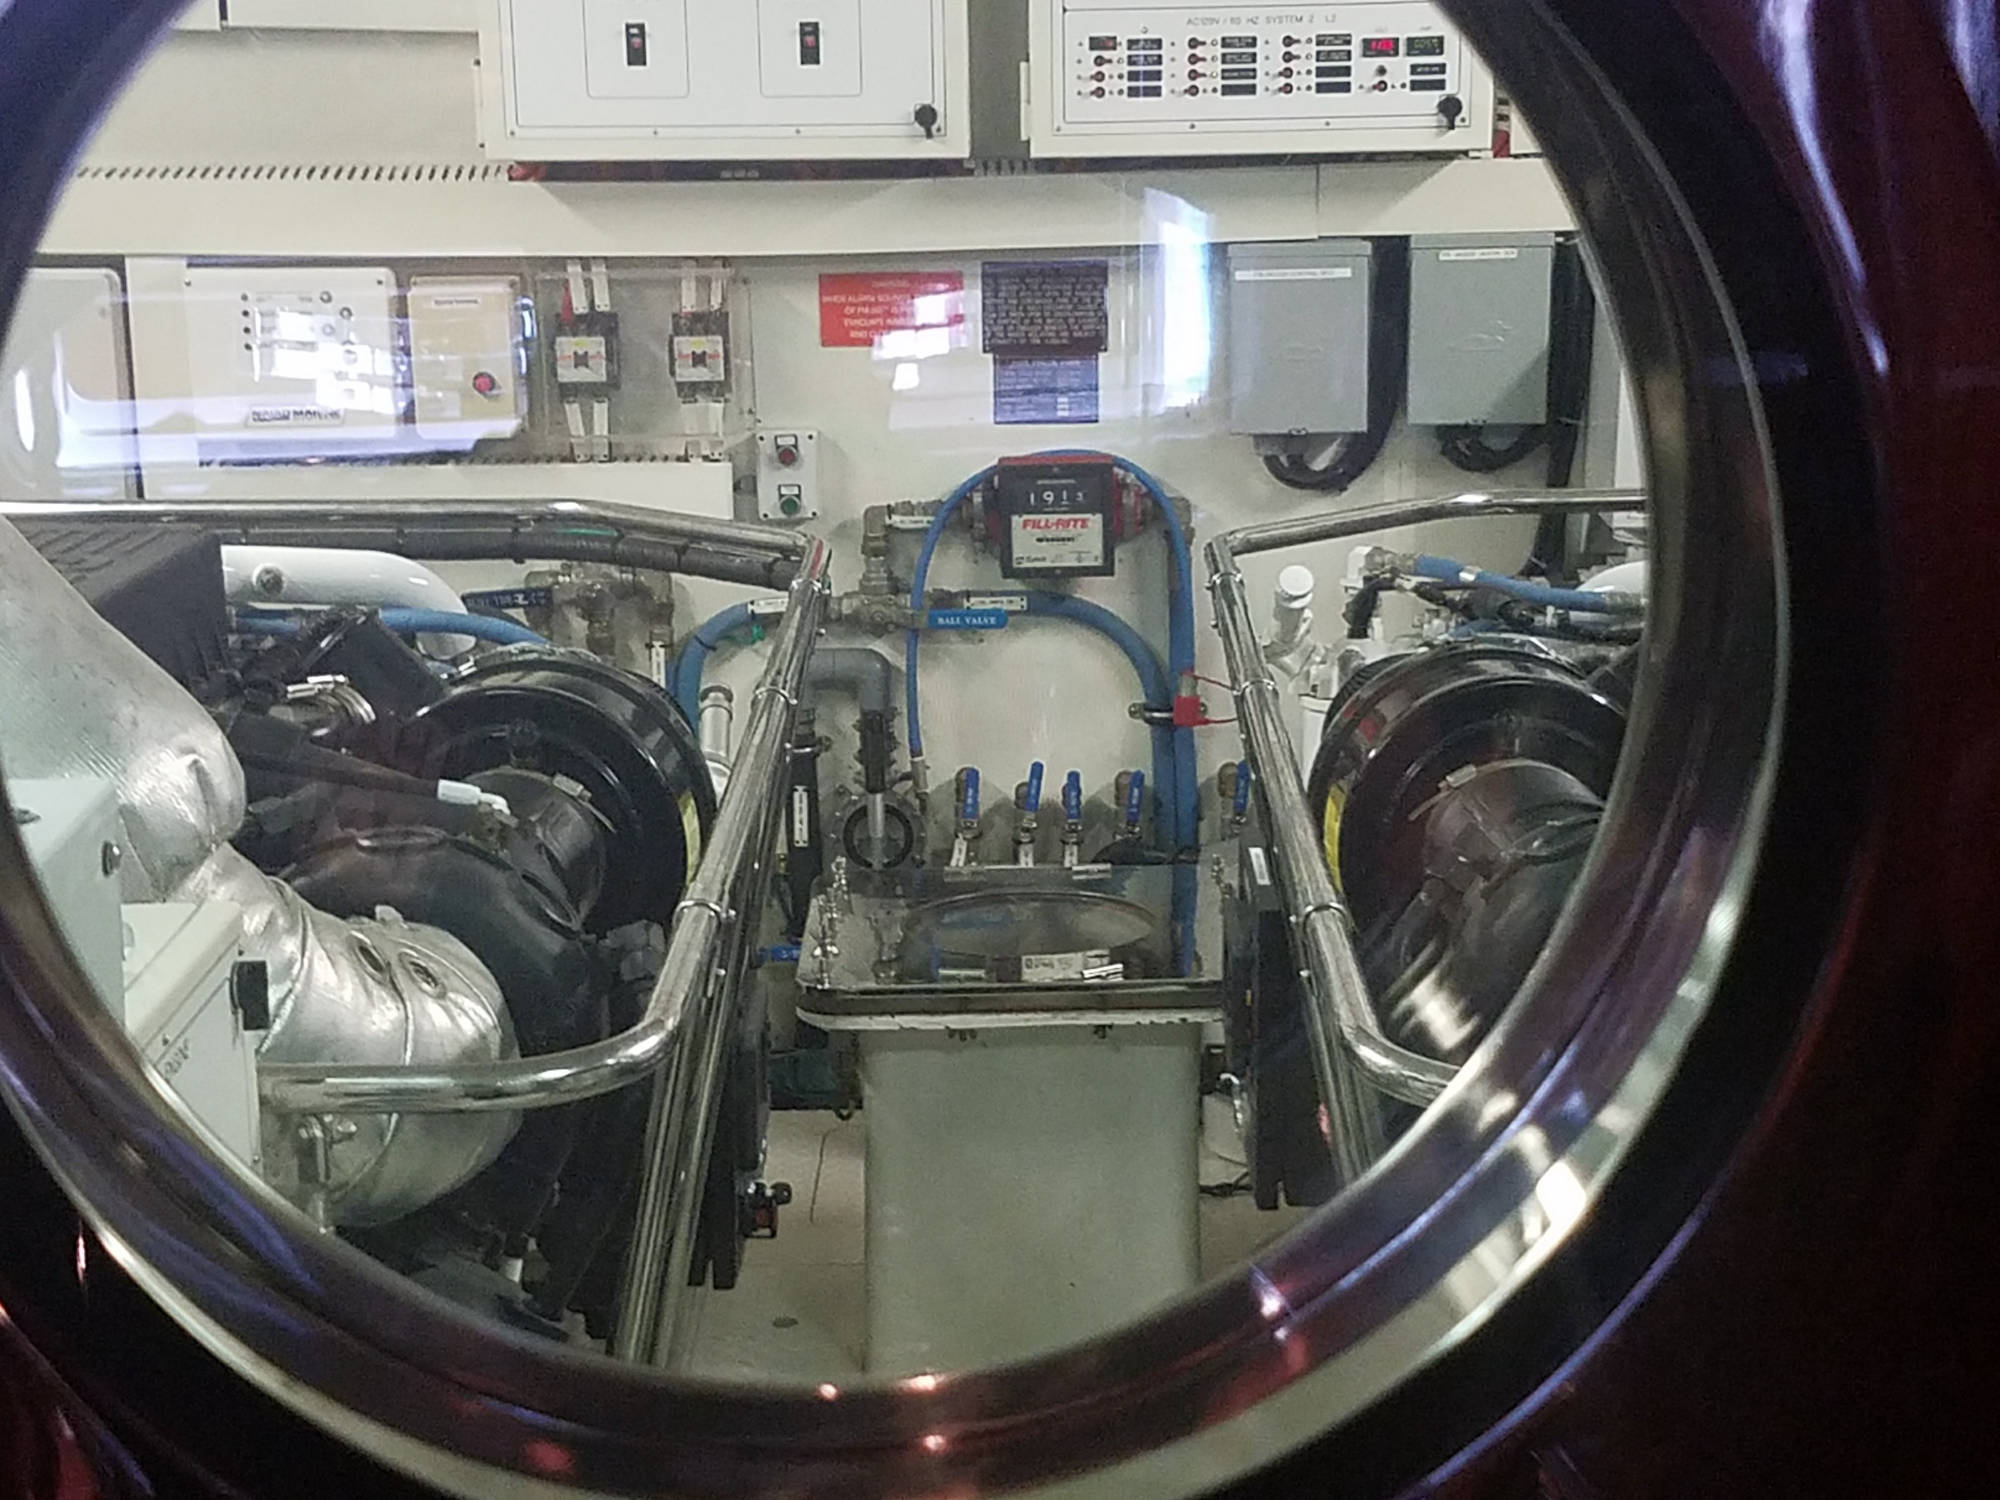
(813, 692)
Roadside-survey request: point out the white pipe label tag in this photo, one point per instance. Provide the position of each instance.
(1485, 252)
(1295, 273)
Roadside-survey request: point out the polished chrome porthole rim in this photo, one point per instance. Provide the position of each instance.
(1497, 1177)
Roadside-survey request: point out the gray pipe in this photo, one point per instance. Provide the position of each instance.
(855, 669)
(868, 675)
(453, 531)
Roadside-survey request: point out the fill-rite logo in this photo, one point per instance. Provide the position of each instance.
(1056, 523)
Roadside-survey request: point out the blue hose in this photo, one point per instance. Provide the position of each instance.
(445, 622)
(947, 508)
(1578, 601)
(693, 659)
(408, 622)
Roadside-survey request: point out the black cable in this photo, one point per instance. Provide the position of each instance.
(1468, 449)
(282, 749)
(1361, 606)
(1572, 320)
(1388, 356)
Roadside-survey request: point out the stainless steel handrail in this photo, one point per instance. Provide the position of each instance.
(681, 1125)
(470, 530)
(1338, 1010)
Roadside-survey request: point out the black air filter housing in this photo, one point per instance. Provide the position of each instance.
(160, 586)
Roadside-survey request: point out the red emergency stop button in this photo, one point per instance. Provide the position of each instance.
(485, 383)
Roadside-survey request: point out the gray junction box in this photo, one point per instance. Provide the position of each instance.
(1479, 329)
(1298, 336)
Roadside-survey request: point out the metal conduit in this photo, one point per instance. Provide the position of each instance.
(1347, 1038)
(466, 531)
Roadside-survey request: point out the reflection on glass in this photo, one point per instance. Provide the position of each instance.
(1012, 1043)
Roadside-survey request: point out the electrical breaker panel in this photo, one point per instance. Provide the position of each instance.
(1130, 78)
(288, 358)
(1479, 329)
(466, 358)
(679, 80)
(1299, 327)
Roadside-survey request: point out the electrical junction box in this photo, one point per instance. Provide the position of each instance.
(787, 474)
(683, 80)
(1055, 516)
(1132, 77)
(67, 824)
(1298, 336)
(1479, 329)
(180, 1011)
(289, 359)
(466, 360)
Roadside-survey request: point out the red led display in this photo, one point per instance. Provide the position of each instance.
(1381, 46)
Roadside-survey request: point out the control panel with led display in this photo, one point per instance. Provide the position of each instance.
(1128, 77)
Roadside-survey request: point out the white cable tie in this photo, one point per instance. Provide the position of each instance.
(465, 794)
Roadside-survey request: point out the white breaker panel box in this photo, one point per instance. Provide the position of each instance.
(466, 359)
(1132, 78)
(703, 80)
(282, 358)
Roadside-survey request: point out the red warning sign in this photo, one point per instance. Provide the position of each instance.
(856, 308)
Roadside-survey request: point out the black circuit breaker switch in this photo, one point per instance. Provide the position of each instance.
(583, 355)
(701, 355)
(1055, 516)
(808, 44)
(635, 44)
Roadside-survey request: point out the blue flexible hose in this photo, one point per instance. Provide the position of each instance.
(1578, 601)
(408, 622)
(947, 508)
(693, 659)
